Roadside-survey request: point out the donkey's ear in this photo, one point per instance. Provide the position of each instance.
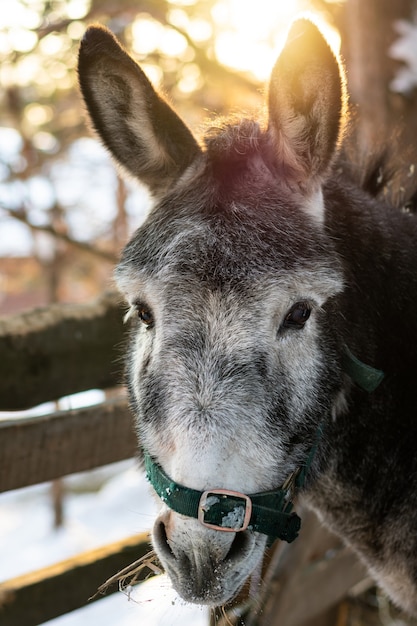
(307, 103)
(139, 128)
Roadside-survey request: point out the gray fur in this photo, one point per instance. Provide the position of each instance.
(228, 392)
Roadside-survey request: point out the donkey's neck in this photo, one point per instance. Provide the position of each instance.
(375, 243)
(366, 441)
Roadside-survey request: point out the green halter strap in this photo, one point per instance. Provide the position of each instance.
(270, 512)
(367, 377)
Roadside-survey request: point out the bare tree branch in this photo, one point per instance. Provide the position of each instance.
(215, 68)
(21, 215)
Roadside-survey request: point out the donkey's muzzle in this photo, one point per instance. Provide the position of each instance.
(204, 565)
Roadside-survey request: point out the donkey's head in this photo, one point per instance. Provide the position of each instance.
(233, 361)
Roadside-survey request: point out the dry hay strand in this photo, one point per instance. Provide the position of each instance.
(131, 575)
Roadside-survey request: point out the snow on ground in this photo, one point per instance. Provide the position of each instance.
(153, 604)
(121, 507)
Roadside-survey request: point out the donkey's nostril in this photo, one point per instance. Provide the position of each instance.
(239, 545)
(160, 534)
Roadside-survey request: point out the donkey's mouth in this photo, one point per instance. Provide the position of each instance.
(205, 566)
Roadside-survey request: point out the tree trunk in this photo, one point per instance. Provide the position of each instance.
(368, 31)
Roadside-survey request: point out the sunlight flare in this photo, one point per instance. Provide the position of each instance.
(249, 38)
(240, 37)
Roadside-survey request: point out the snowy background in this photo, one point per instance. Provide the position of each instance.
(108, 504)
(102, 506)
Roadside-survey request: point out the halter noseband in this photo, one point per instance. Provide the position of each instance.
(269, 512)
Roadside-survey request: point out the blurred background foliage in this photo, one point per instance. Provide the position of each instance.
(64, 211)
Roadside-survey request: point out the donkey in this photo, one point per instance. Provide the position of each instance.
(273, 347)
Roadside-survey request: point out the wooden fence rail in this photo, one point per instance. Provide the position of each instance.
(37, 449)
(34, 598)
(49, 353)
(59, 350)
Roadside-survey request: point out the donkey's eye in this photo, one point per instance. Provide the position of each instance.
(145, 315)
(297, 316)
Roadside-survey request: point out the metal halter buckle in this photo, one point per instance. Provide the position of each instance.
(222, 494)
